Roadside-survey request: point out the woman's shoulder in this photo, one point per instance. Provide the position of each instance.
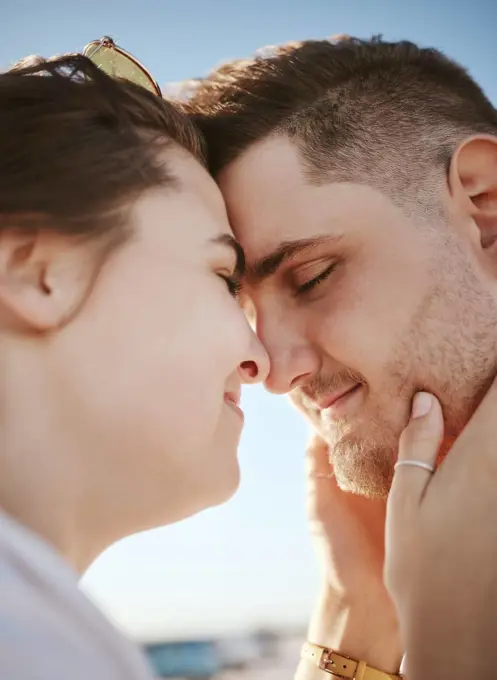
(48, 628)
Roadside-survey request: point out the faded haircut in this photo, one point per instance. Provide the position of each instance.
(384, 114)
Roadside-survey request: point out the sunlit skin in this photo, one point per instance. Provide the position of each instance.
(119, 383)
(351, 293)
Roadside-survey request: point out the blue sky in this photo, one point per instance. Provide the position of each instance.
(249, 562)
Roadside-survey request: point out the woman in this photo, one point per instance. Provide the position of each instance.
(122, 350)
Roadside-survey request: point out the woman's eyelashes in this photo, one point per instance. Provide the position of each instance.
(233, 283)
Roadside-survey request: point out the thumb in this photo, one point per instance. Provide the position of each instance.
(419, 442)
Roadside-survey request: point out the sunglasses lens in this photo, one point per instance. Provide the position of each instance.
(119, 65)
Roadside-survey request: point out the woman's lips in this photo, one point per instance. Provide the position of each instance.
(232, 399)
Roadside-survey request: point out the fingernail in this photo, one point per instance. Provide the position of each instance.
(421, 404)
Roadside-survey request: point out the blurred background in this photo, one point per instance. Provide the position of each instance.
(229, 592)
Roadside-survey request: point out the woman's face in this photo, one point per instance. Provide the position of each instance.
(152, 365)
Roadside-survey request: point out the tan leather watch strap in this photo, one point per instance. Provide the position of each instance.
(342, 666)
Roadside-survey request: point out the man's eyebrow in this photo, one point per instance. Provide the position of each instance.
(228, 240)
(269, 264)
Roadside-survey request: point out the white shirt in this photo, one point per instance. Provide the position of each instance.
(48, 629)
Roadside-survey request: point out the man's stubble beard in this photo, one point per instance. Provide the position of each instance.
(450, 350)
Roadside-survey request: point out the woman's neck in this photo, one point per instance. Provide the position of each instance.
(47, 479)
(41, 489)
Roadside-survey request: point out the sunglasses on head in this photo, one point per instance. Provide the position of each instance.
(118, 63)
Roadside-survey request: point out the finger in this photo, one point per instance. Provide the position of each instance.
(318, 458)
(419, 442)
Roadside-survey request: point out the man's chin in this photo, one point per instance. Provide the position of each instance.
(366, 490)
(366, 470)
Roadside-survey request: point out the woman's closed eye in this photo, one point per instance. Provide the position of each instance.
(233, 283)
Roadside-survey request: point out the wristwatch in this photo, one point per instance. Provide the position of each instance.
(341, 666)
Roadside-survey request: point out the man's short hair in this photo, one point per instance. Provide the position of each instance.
(369, 111)
(77, 146)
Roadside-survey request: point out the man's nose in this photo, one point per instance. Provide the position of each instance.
(289, 368)
(292, 359)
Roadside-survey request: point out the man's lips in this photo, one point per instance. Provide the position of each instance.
(332, 398)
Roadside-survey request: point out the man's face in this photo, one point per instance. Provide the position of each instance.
(360, 307)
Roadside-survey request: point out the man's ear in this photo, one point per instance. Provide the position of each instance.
(473, 184)
(44, 278)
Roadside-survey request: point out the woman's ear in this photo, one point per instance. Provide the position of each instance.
(44, 277)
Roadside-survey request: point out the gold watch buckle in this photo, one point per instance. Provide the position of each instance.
(329, 665)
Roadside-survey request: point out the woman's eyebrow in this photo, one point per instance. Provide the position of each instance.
(231, 242)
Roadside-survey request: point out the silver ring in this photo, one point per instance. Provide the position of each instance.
(416, 463)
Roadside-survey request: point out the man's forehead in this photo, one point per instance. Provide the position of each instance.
(262, 228)
(257, 187)
(269, 163)
(270, 201)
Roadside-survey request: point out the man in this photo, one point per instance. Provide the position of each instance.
(361, 179)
